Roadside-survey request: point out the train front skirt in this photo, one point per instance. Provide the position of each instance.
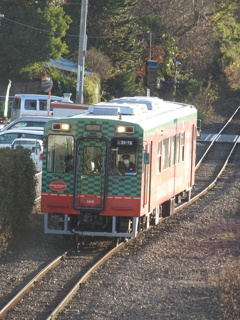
(130, 231)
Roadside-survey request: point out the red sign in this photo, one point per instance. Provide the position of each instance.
(57, 185)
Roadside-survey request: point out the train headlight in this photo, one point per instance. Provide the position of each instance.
(125, 129)
(61, 127)
(121, 129)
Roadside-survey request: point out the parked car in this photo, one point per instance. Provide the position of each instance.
(27, 122)
(31, 105)
(36, 148)
(7, 137)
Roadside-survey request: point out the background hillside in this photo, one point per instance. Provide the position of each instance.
(195, 42)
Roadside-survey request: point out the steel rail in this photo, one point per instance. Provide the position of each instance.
(74, 290)
(31, 284)
(211, 185)
(216, 137)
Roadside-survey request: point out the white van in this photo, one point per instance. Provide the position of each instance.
(31, 105)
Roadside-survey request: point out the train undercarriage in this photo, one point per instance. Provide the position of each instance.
(91, 224)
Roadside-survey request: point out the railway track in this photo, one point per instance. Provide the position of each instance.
(208, 172)
(152, 241)
(52, 288)
(214, 159)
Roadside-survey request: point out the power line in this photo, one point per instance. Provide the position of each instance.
(44, 2)
(25, 25)
(47, 31)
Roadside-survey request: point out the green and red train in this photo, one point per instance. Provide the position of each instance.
(117, 168)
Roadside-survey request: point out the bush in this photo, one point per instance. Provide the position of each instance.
(17, 188)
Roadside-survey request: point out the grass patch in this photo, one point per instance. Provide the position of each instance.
(227, 286)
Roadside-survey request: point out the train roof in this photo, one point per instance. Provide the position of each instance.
(152, 103)
(139, 109)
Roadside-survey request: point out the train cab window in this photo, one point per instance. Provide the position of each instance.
(166, 153)
(92, 160)
(124, 156)
(60, 153)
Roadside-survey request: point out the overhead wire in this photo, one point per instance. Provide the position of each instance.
(47, 31)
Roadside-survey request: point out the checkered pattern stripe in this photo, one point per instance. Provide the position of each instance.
(116, 185)
(48, 177)
(129, 186)
(92, 184)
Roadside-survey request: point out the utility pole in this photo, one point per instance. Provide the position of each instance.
(81, 52)
(1, 16)
(150, 45)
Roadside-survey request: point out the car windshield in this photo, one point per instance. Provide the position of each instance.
(31, 145)
(23, 124)
(8, 138)
(32, 136)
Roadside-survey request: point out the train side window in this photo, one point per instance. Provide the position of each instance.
(175, 149)
(60, 153)
(166, 153)
(182, 146)
(159, 156)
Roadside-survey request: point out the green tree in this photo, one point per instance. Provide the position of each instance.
(111, 30)
(31, 32)
(227, 30)
(119, 31)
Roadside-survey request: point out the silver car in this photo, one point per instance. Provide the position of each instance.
(7, 137)
(27, 122)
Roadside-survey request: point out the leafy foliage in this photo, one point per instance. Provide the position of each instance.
(17, 187)
(113, 29)
(99, 63)
(227, 29)
(31, 32)
(201, 34)
(91, 89)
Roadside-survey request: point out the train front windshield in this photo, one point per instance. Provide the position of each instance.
(60, 153)
(92, 160)
(123, 155)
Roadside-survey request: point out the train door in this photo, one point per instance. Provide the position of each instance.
(193, 152)
(90, 178)
(147, 176)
